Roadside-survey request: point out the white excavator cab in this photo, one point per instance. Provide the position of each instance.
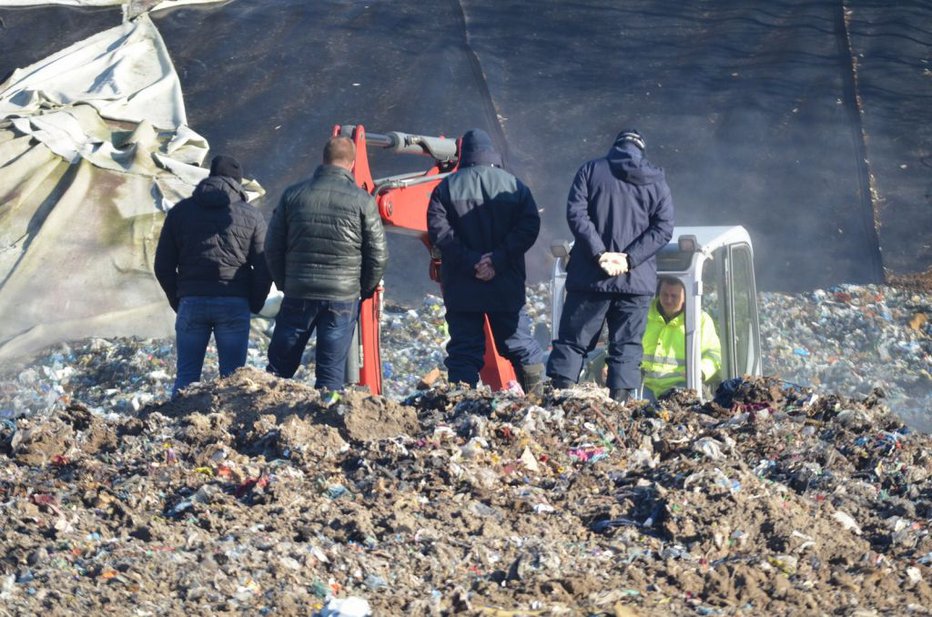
(716, 266)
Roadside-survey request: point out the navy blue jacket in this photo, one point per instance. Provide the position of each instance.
(482, 209)
(212, 244)
(619, 203)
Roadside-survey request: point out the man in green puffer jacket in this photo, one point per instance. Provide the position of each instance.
(325, 250)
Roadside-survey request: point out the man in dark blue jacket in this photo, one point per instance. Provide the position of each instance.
(210, 262)
(620, 212)
(484, 220)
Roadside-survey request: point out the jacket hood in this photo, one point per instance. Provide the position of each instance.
(477, 149)
(629, 164)
(219, 191)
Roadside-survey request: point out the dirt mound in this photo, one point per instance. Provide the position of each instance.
(260, 415)
(921, 281)
(256, 494)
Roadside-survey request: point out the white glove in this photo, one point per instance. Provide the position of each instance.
(613, 264)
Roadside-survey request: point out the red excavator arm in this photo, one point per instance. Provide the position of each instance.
(402, 202)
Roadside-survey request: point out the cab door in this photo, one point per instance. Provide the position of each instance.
(744, 325)
(730, 298)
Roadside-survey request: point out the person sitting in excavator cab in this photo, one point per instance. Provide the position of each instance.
(664, 363)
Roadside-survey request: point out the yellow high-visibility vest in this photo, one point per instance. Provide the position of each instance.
(664, 362)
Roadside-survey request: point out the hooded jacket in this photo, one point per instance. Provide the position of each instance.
(477, 210)
(212, 245)
(326, 240)
(619, 203)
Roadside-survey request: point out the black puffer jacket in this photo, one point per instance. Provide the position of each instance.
(212, 245)
(326, 240)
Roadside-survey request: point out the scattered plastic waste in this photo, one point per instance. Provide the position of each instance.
(346, 607)
(850, 339)
(847, 522)
(256, 495)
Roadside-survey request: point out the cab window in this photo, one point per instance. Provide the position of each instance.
(713, 302)
(746, 335)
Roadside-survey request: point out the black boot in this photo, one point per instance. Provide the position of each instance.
(531, 378)
(561, 383)
(620, 395)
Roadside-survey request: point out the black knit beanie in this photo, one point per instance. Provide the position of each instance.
(477, 149)
(228, 166)
(631, 136)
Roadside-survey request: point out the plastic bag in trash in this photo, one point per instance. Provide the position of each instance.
(725, 393)
(346, 607)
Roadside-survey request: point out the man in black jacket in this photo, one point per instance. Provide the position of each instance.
(484, 220)
(621, 214)
(326, 250)
(211, 264)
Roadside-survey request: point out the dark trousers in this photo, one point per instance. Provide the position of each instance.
(297, 319)
(511, 331)
(227, 318)
(584, 314)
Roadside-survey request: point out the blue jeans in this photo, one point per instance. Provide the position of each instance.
(584, 314)
(297, 319)
(199, 316)
(511, 331)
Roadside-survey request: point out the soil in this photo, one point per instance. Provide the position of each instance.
(255, 495)
(920, 281)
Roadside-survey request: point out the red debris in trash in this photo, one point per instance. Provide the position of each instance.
(44, 499)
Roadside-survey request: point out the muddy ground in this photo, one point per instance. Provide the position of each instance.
(252, 495)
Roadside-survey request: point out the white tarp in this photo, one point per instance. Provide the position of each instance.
(125, 73)
(131, 8)
(93, 148)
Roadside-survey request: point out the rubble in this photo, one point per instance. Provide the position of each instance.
(846, 340)
(850, 339)
(257, 495)
(254, 494)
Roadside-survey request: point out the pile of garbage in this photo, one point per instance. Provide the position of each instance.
(798, 493)
(850, 339)
(254, 494)
(846, 340)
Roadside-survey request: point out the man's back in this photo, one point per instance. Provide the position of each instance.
(209, 241)
(326, 240)
(618, 203)
(486, 203)
(479, 210)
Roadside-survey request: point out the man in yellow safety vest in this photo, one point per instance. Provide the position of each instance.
(664, 362)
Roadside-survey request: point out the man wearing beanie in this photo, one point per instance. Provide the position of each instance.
(621, 214)
(210, 262)
(483, 220)
(326, 250)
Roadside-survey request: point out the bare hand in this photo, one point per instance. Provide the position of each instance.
(614, 264)
(485, 271)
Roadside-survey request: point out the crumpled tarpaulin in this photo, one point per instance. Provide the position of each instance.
(94, 148)
(131, 8)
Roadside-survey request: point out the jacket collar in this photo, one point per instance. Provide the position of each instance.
(334, 170)
(656, 313)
